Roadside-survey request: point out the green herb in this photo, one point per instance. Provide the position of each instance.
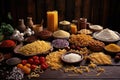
(6, 29)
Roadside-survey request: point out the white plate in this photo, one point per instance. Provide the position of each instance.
(94, 35)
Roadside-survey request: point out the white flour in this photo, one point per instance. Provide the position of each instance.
(107, 34)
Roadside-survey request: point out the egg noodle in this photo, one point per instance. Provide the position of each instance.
(35, 47)
(54, 61)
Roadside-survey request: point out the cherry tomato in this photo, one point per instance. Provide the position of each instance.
(42, 60)
(44, 66)
(36, 61)
(33, 67)
(31, 61)
(24, 62)
(35, 57)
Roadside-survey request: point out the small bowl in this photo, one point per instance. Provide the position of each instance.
(37, 28)
(13, 61)
(45, 34)
(61, 34)
(30, 39)
(96, 27)
(113, 46)
(5, 49)
(71, 58)
(60, 43)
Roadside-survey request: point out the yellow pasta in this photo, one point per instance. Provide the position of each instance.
(100, 58)
(35, 47)
(53, 59)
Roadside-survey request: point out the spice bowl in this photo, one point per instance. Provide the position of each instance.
(61, 34)
(110, 52)
(13, 61)
(30, 39)
(7, 46)
(72, 58)
(45, 34)
(60, 43)
(7, 49)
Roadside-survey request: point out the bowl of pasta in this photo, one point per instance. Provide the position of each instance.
(35, 48)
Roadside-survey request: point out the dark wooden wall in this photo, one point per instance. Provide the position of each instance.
(102, 12)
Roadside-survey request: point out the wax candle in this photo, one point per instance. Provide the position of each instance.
(73, 29)
(52, 20)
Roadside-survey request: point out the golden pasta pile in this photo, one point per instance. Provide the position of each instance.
(35, 48)
(100, 58)
(80, 39)
(54, 60)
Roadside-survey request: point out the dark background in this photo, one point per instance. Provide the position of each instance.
(101, 12)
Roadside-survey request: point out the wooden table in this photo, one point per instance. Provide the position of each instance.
(111, 73)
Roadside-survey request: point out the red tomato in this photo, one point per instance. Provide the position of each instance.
(36, 61)
(42, 60)
(44, 66)
(35, 57)
(31, 61)
(33, 67)
(23, 62)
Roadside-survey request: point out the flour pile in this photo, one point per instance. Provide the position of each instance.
(107, 35)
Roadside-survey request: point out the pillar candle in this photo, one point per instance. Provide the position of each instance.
(73, 29)
(52, 20)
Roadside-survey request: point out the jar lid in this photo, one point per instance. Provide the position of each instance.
(64, 22)
(83, 19)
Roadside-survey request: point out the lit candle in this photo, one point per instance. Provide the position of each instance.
(73, 29)
(52, 20)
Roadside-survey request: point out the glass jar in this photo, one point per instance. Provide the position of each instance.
(64, 25)
(82, 23)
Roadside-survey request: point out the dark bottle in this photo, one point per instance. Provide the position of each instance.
(21, 26)
(29, 22)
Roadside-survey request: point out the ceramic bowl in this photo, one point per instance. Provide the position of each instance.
(72, 58)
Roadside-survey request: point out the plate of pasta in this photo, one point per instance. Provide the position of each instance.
(34, 48)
